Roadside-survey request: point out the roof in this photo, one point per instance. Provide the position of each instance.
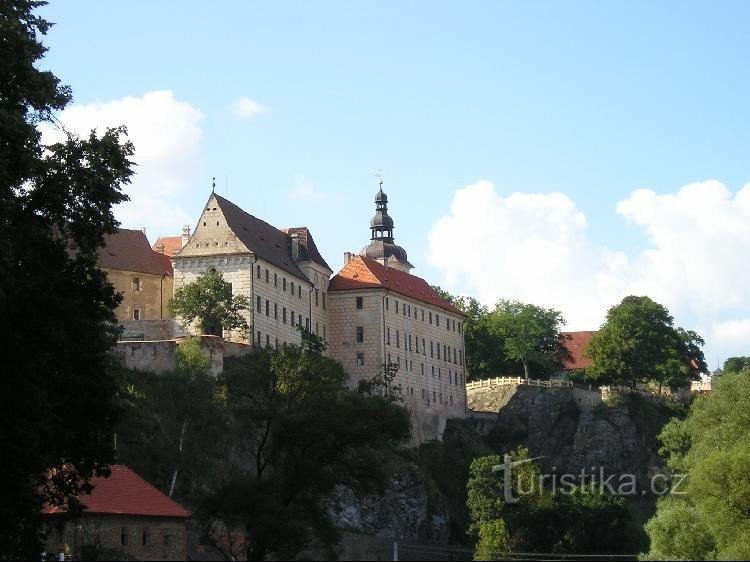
(576, 342)
(171, 244)
(126, 493)
(264, 240)
(307, 244)
(129, 250)
(364, 273)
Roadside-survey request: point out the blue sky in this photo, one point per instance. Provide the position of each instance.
(592, 100)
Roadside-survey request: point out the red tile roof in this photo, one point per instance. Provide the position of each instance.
(126, 493)
(171, 245)
(129, 250)
(363, 273)
(576, 342)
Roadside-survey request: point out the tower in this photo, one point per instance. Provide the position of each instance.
(382, 247)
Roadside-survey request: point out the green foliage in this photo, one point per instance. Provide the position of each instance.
(639, 344)
(541, 521)
(529, 334)
(736, 364)
(209, 301)
(298, 432)
(175, 427)
(56, 306)
(711, 446)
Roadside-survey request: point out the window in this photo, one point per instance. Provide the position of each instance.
(167, 537)
(123, 536)
(440, 373)
(398, 360)
(386, 303)
(268, 340)
(136, 283)
(277, 343)
(292, 313)
(423, 368)
(359, 303)
(275, 311)
(415, 313)
(257, 304)
(460, 356)
(423, 394)
(266, 275)
(454, 357)
(324, 301)
(147, 536)
(433, 370)
(430, 317)
(434, 396)
(424, 348)
(299, 290)
(258, 338)
(388, 336)
(275, 280)
(324, 331)
(360, 359)
(283, 283)
(360, 334)
(438, 350)
(136, 314)
(448, 324)
(403, 309)
(423, 315)
(316, 297)
(409, 342)
(416, 343)
(398, 340)
(445, 355)
(432, 349)
(268, 308)
(395, 303)
(437, 320)
(257, 271)
(316, 328)
(283, 315)
(292, 287)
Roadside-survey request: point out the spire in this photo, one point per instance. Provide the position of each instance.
(381, 224)
(213, 185)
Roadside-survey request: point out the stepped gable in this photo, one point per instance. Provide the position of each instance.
(309, 251)
(129, 250)
(264, 240)
(125, 493)
(576, 342)
(364, 273)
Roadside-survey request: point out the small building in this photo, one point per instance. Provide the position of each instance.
(143, 277)
(576, 343)
(124, 518)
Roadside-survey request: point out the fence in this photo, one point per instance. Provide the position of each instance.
(515, 381)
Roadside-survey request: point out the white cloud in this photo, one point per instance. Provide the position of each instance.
(166, 135)
(245, 108)
(303, 190)
(536, 248)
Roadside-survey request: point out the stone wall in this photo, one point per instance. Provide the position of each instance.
(150, 296)
(148, 330)
(119, 536)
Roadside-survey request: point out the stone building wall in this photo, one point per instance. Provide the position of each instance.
(150, 294)
(127, 537)
(432, 388)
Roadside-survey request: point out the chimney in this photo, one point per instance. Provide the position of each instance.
(143, 229)
(185, 234)
(160, 248)
(295, 246)
(348, 257)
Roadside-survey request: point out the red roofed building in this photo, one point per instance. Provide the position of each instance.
(143, 277)
(124, 517)
(381, 314)
(576, 343)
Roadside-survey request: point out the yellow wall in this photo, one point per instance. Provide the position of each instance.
(152, 299)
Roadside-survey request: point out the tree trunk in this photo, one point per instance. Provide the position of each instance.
(525, 368)
(179, 456)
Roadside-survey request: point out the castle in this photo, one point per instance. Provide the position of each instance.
(372, 312)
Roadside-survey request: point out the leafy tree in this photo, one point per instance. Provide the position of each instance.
(639, 343)
(736, 364)
(710, 517)
(56, 307)
(529, 334)
(382, 383)
(541, 521)
(209, 301)
(298, 432)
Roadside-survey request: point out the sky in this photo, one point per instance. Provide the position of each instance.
(565, 154)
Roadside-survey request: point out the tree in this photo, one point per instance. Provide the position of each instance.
(382, 383)
(639, 343)
(58, 405)
(298, 433)
(529, 334)
(736, 364)
(709, 516)
(483, 354)
(209, 301)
